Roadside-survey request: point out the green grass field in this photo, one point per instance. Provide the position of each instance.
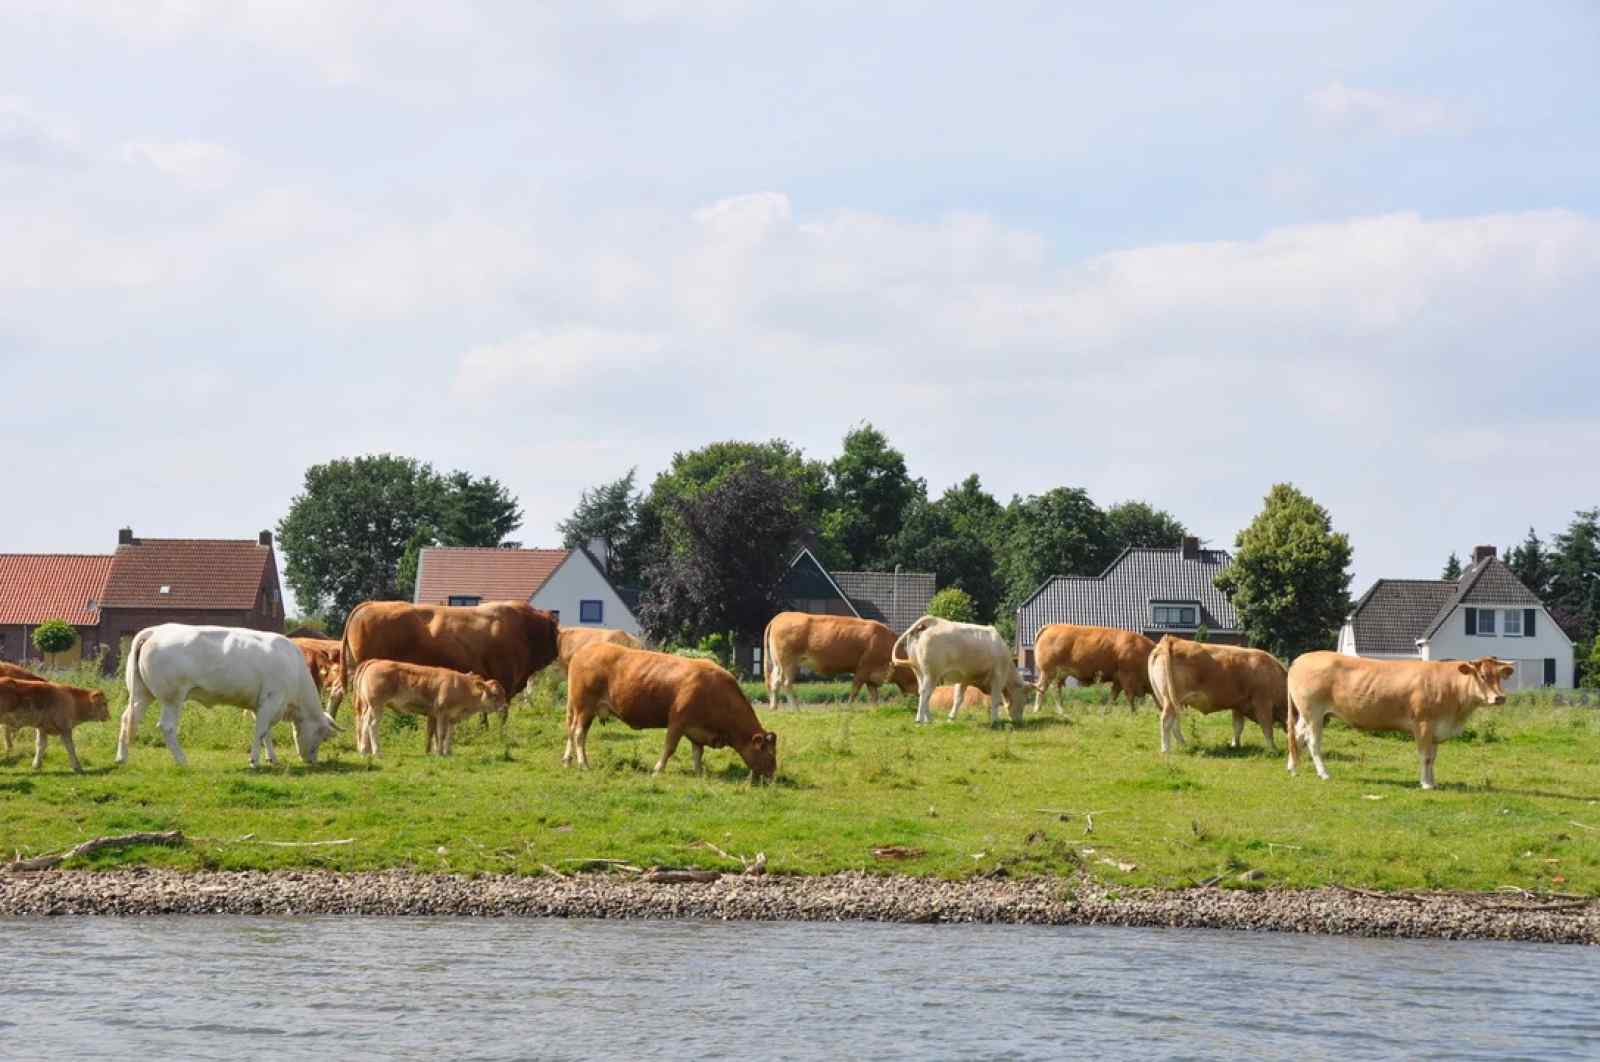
(1518, 803)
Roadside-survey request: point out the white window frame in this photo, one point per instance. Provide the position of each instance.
(1175, 613)
(1511, 614)
(1490, 613)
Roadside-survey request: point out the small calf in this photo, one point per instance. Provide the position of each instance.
(445, 697)
(51, 709)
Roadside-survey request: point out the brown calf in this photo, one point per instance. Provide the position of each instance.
(443, 696)
(52, 710)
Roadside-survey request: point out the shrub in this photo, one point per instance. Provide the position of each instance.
(954, 603)
(54, 636)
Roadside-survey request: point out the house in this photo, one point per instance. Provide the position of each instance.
(568, 582)
(35, 587)
(229, 582)
(1148, 590)
(1486, 612)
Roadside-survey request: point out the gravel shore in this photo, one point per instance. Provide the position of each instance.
(831, 898)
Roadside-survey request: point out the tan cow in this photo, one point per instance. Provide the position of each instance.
(8, 734)
(572, 639)
(967, 654)
(1429, 699)
(1091, 655)
(830, 645)
(443, 696)
(1217, 678)
(51, 709)
(323, 659)
(690, 698)
(945, 698)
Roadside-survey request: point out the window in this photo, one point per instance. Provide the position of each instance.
(1486, 621)
(1513, 627)
(1549, 671)
(591, 612)
(755, 659)
(1174, 615)
(465, 599)
(555, 614)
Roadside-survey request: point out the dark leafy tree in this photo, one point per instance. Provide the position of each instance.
(974, 511)
(869, 495)
(1137, 523)
(1452, 567)
(1059, 532)
(726, 572)
(930, 540)
(477, 512)
(1531, 563)
(1290, 576)
(610, 513)
(1574, 588)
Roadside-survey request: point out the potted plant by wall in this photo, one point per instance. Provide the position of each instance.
(53, 638)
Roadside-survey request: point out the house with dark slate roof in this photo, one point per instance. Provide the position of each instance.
(1151, 591)
(1487, 612)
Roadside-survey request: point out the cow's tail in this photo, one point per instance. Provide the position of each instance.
(916, 628)
(137, 690)
(1289, 713)
(766, 654)
(344, 659)
(1161, 687)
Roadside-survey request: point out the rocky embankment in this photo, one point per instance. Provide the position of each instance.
(836, 897)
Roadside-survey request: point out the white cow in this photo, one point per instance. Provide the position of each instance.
(263, 672)
(965, 654)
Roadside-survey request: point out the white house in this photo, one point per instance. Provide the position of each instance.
(569, 582)
(1487, 612)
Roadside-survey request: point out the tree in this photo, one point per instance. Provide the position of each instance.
(1290, 576)
(610, 513)
(726, 572)
(1137, 523)
(1531, 564)
(869, 494)
(952, 603)
(355, 531)
(1059, 532)
(54, 636)
(1574, 586)
(1452, 567)
(974, 511)
(930, 540)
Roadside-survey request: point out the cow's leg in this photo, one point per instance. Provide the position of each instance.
(1313, 716)
(855, 688)
(132, 716)
(446, 737)
(1170, 727)
(1426, 748)
(699, 752)
(268, 709)
(272, 752)
(874, 688)
(580, 740)
(371, 716)
(924, 696)
(430, 735)
(1264, 721)
(673, 735)
(8, 734)
(996, 691)
(1040, 688)
(1238, 728)
(170, 711)
(72, 753)
(955, 701)
(38, 748)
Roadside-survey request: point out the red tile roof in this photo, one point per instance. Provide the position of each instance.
(489, 573)
(223, 573)
(35, 587)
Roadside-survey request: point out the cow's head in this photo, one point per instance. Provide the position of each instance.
(90, 707)
(1485, 676)
(760, 752)
(491, 694)
(905, 677)
(311, 729)
(1016, 694)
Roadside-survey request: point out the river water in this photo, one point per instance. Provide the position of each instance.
(227, 988)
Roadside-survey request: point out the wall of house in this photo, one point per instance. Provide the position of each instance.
(578, 580)
(16, 645)
(1451, 642)
(117, 624)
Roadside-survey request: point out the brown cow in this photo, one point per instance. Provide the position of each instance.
(574, 638)
(322, 658)
(945, 697)
(1217, 678)
(690, 698)
(830, 645)
(1429, 699)
(51, 709)
(502, 640)
(7, 734)
(1091, 655)
(443, 696)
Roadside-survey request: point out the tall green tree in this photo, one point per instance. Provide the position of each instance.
(1452, 567)
(930, 540)
(1290, 576)
(1137, 523)
(869, 495)
(974, 511)
(1574, 588)
(1059, 532)
(610, 513)
(1531, 563)
(354, 531)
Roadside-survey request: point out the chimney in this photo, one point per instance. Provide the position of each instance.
(597, 546)
(1482, 553)
(1191, 547)
(125, 536)
(265, 538)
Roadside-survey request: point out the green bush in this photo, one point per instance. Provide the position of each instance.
(954, 603)
(54, 636)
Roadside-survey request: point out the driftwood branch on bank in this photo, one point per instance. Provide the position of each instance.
(45, 862)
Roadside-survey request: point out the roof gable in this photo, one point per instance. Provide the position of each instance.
(35, 587)
(203, 573)
(1121, 595)
(1489, 581)
(812, 571)
(1394, 613)
(485, 572)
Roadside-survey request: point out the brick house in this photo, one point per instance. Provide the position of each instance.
(35, 587)
(1151, 591)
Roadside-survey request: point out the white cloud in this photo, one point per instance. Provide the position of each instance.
(197, 164)
(29, 137)
(1341, 106)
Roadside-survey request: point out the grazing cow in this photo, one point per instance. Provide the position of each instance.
(16, 672)
(322, 660)
(967, 654)
(574, 638)
(443, 696)
(1429, 699)
(502, 640)
(695, 699)
(1217, 678)
(945, 697)
(264, 672)
(1090, 655)
(830, 645)
(51, 709)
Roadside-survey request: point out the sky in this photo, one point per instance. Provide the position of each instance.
(1171, 252)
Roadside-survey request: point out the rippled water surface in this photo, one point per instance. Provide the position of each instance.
(504, 988)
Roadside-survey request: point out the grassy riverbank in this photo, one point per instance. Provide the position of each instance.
(1518, 803)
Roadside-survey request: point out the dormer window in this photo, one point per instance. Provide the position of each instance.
(1174, 615)
(166, 588)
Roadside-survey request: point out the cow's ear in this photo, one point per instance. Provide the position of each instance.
(1507, 670)
(1465, 668)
